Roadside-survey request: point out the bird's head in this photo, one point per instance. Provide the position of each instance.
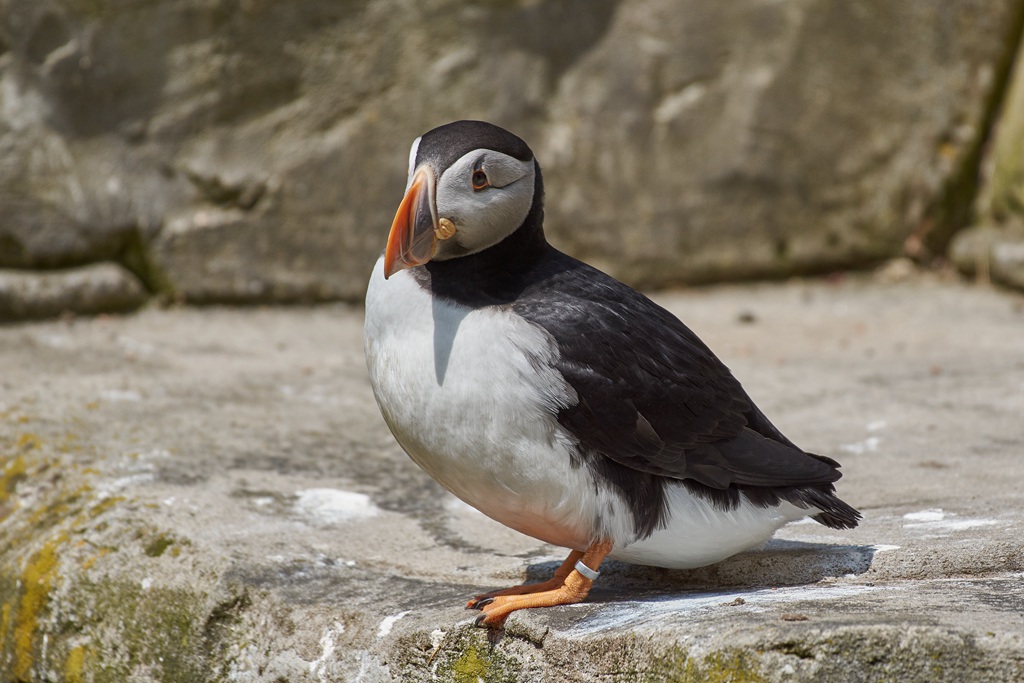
(471, 184)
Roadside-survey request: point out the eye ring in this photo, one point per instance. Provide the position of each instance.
(479, 179)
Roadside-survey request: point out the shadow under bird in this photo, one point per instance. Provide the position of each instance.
(557, 400)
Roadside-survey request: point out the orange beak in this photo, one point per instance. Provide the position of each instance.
(413, 240)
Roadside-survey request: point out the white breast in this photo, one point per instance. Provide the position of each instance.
(470, 396)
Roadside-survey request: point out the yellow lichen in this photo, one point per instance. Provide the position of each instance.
(88, 562)
(69, 443)
(104, 505)
(75, 665)
(11, 472)
(5, 622)
(28, 442)
(37, 579)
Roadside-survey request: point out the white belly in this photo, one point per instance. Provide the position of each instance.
(471, 397)
(699, 534)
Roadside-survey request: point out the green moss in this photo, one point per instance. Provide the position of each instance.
(470, 667)
(158, 631)
(673, 665)
(796, 648)
(156, 546)
(470, 659)
(136, 257)
(729, 665)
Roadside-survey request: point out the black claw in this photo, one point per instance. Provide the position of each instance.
(483, 603)
(478, 622)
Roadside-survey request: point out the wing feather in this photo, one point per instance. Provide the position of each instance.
(652, 396)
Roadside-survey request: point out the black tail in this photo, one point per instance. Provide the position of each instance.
(835, 513)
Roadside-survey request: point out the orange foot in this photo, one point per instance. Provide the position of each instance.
(567, 586)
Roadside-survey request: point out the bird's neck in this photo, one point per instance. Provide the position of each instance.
(499, 273)
(495, 275)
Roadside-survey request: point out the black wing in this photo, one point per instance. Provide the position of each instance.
(651, 395)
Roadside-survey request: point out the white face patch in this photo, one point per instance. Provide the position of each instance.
(483, 217)
(412, 161)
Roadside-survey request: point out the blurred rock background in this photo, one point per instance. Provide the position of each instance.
(251, 151)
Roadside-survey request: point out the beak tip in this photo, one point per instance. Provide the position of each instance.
(392, 266)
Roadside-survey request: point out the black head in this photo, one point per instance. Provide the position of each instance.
(444, 145)
(472, 185)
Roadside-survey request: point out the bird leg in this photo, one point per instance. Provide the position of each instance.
(554, 582)
(567, 586)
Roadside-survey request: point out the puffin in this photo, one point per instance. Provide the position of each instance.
(557, 400)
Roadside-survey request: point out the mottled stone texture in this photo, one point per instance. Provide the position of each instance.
(994, 248)
(253, 150)
(98, 288)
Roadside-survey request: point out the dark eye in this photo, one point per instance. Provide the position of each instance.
(479, 179)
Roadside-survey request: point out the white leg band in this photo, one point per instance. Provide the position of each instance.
(586, 571)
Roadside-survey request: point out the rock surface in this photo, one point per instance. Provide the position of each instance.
(1002, 196)
(991, 253)
(994, 248)
(211, 495)
(254, 151)
(91, 289)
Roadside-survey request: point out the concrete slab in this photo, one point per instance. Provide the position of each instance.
(192, 495)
